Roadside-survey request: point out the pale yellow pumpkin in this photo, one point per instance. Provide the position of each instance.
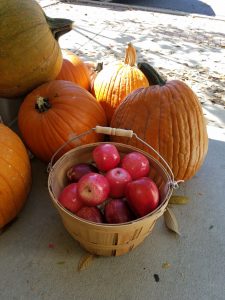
(29, 51)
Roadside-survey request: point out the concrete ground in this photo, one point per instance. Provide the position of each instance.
(39, 259)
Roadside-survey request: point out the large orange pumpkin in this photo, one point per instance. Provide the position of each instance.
(169, 117)
(115, 81)
(74, 69)
(55, 112)
(15, 175)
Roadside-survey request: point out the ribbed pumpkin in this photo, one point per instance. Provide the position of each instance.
(74, 69)
(15, 175)
(117, 80)
(29, 52)
(55, 112)
(169, 117)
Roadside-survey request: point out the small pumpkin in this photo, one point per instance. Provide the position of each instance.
(169, 117)
(15, 174)
(30, 54)
(115, 81)
(74, 69)
(55, 112)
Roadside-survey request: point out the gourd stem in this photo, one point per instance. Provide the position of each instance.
(59, 26)
(42, 104)
(152, 75)
(130, 55)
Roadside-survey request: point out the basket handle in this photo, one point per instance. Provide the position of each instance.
(114, 131)
(117, 132)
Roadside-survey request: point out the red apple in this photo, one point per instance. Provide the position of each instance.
(142, 195)
(93, 189)
(106, 157)
(69, 198)
(78, 170)
(136, 164)
(117, 211)
(90, 213)
(118, 179)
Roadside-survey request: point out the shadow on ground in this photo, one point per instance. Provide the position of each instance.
(184, 6)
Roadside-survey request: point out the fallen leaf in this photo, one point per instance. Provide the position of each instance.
(166, 265)
(85, 261)
(178, 200)
(171, 221)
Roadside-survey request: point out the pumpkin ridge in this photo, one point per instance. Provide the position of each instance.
(18, 171)
(47, 142)
(12, 150)
(16, 34)
(31, 74)
(197, 106)
(201, 134)
(159, 125)
(54, 126)
(11, 191)
(53, 122)
(37, 133)
(174, 155)
(120, 73)
(174, 91)
(186, 105)
(108, 87)
(177, 153)
(62, 106)
(71, 129)
(5, 213)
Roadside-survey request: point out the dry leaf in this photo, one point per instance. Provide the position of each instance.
(171, 221)
(166, 265)
(178, 200)
(85, 261)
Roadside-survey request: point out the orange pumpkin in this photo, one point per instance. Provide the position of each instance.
(55, 112)
(74, 69)
(115, 81)
(15, 174)
(169, 117)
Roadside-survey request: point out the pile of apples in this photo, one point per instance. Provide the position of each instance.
(111, 190)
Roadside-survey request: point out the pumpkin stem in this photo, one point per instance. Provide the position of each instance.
(130, 55)
(59, 26)
(152, 75)
(99, 67)
(42, 104)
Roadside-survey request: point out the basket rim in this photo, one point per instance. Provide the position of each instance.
(155, 211)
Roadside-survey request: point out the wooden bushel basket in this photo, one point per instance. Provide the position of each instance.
(108, 239)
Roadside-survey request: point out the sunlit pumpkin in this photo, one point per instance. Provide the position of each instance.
(116, 80)
(169, 117)
(29, 51)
